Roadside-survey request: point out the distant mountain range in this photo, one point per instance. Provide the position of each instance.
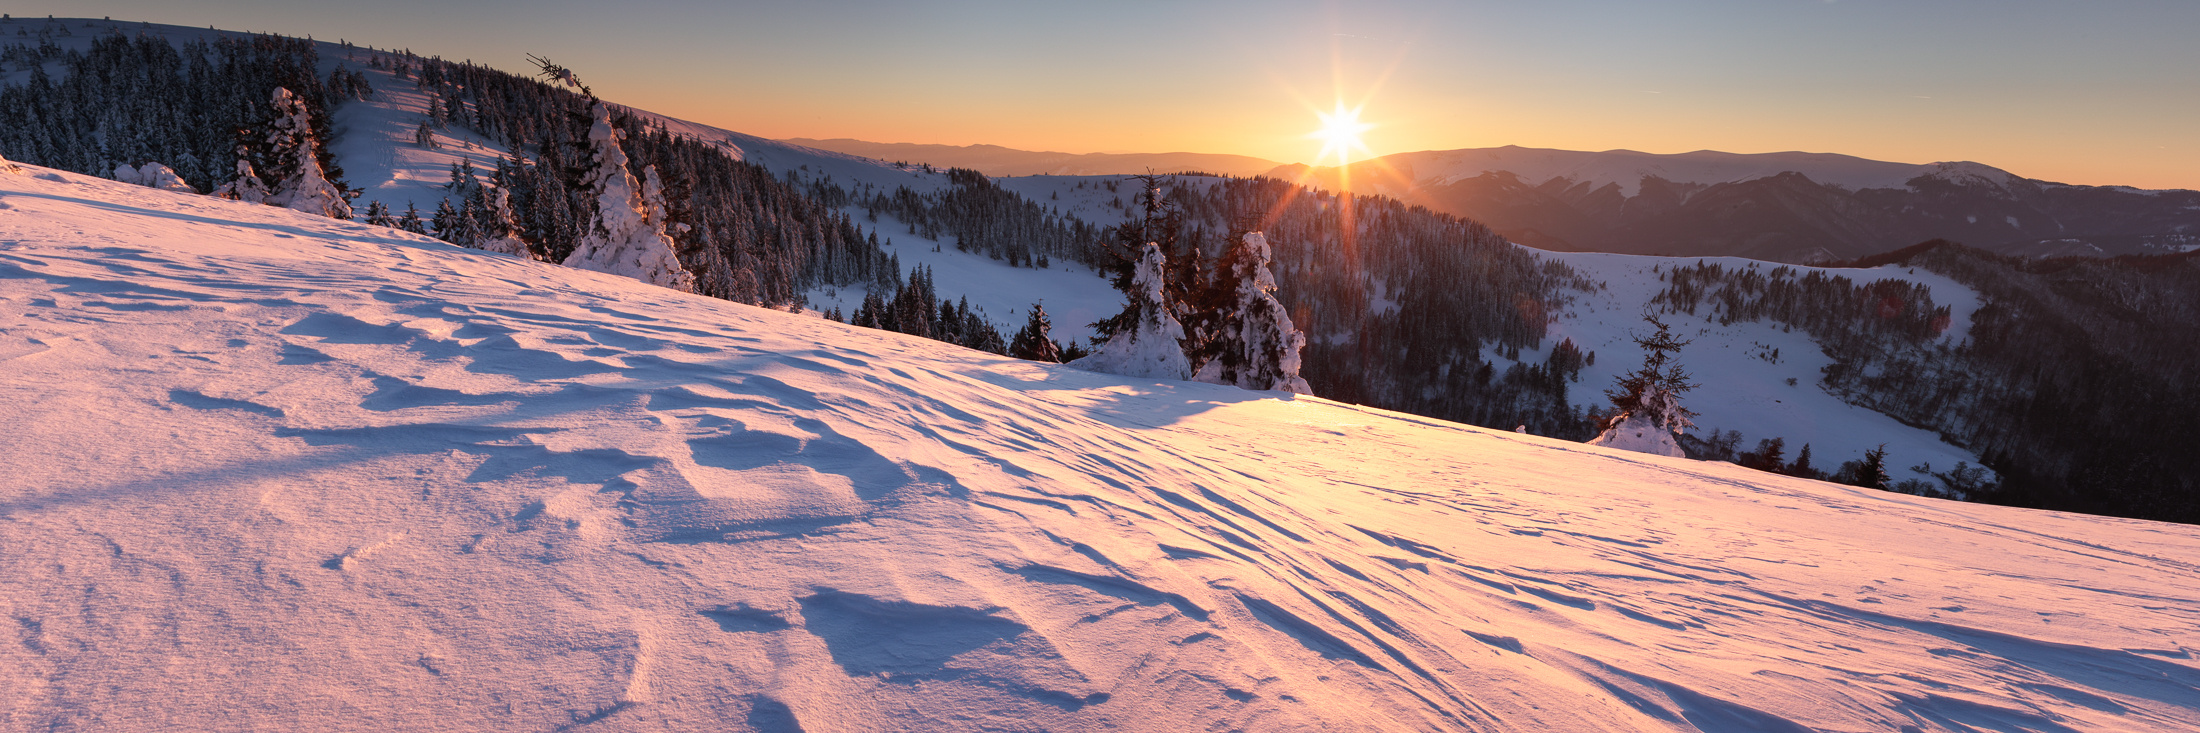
(1788, 207)
(994, 160)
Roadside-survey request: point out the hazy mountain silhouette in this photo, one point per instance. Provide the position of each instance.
(1793, 207)
(994, 160)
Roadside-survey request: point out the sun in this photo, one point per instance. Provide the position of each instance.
(1340, 134)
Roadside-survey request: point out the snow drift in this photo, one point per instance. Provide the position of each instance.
(274, 471)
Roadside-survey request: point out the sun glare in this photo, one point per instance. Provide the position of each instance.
(1340, 134)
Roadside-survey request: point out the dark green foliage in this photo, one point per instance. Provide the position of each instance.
(130, 100)
(1654, 389)
(916, 309)
(2075, 382)
(1036, 341)
(1769, 456)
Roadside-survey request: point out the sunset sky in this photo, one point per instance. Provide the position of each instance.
(2103, 92)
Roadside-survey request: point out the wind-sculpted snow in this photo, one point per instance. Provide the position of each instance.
(275, 472)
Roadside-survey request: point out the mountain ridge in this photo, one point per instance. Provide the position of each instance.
(995, 160)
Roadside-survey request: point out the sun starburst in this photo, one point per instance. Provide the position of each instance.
(1340, 134)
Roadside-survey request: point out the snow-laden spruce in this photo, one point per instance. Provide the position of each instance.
(153, 175)
(1258, 345)
(304, 185)
(627, 236)
(1649, 412)
(1036, 341)
(500, 230)
(1152, 346)
(244, 183)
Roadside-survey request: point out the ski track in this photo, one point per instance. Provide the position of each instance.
(270, 471)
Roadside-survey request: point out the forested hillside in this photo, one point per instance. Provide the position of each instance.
(2075, 381)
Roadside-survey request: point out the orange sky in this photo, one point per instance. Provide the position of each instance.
(2093, 93)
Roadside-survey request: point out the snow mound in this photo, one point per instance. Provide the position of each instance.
(152, 175)
(274, 471)
(1639, 434)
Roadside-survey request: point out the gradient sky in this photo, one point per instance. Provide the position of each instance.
(2094, 92)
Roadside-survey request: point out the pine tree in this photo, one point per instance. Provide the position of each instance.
(424, 136)
(447, 226)
(499, 227)
(627, 234)
(1036, 342)
(1254, 344)
(1647, 408)
(1801, 466)
(378, 214)
(1148, 342)
(244, 183)
(303, 185)
(411, 221)
(1872, 473)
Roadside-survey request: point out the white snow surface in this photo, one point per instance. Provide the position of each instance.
(1743, 387)
(1074, 295)
(1637, 433)
(269, 471)
(153, 175)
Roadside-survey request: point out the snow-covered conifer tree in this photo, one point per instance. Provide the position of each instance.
(1151, 345)
(1036, 341)
(1257, 345)
(411, 221)
(447, 225)
(499, 226)
(244, 183)
(1649, 410)
(378, 214)
(304, 185)
(627, 234)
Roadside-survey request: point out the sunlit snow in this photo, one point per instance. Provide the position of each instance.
(268, 471)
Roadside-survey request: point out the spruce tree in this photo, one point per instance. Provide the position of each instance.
(1253, 343)
(1148, 341)
(1647, 410)
(302, 184)
(626, 236)
(447, 226)
(243, 183)
(411, 221)
(1872, 473)
(1036, 342)
(1801, 466)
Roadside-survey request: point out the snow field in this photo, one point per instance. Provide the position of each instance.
(1074, 295)
(270, 471)
(1741, 386)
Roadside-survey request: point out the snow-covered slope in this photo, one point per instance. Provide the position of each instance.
(1744, 368)
(271, 472)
